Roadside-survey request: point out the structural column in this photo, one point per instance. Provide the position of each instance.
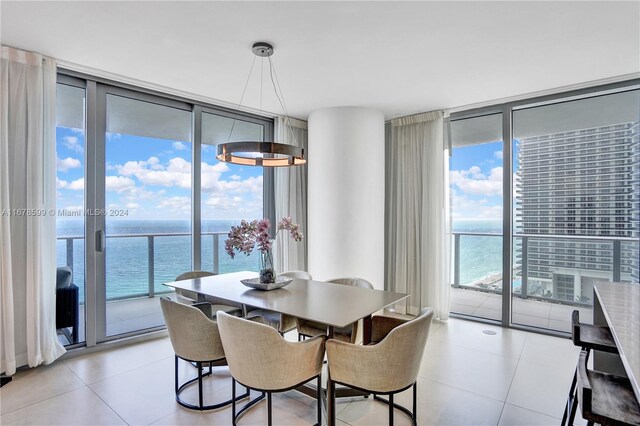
(346, 194)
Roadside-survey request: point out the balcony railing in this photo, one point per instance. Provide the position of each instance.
(151, 263)
(523, 248)
(607, 260)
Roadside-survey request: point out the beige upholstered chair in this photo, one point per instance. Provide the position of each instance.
(188, 297)
(260, 359)
(280, 322)
(346, 334)
(195, 338)
(388, 366)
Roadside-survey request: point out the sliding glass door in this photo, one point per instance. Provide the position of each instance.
(229, 192)
(70, 206)
(146, 181)
(476, 210)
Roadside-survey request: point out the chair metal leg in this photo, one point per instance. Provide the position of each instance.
(331, 402)
(233, 401)
(390, 409)
(415, 403)
(568, 406)
(319, 398)
(200, 402)
(176, 374)
(269, 421)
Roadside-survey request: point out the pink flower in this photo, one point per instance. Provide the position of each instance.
(244, 237)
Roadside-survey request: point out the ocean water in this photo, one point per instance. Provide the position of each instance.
(128, 261)
(480, 256)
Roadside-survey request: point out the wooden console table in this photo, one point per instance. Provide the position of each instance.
(617, 305)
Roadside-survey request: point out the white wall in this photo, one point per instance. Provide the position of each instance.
(345, 233)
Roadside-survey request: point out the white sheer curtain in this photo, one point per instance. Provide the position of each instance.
(291, 197)
(417, 218)
(27, 176)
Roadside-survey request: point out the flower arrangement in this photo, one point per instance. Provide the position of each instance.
(244, 237)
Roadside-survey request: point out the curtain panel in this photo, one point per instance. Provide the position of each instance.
(417, 250)
(290, 187)
(27, 180)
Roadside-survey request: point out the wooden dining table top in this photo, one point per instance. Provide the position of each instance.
(332, 304)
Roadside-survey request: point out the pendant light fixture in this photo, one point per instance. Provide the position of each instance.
(257, 153)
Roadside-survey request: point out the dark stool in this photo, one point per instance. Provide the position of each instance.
(588, 337)
(604, 398)
(67, 304)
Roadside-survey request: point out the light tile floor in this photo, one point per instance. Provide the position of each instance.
(467, 378)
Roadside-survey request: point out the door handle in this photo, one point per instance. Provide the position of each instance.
(100, 241)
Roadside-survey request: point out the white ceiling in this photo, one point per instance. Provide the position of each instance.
(398, 57)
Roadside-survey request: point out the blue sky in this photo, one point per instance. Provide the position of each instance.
(475, 178)
(151, 179)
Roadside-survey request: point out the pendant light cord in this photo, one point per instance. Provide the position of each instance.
(246, 83)
(277, 90)
(275, 82)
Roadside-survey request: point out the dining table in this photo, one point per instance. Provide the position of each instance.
(335, 305)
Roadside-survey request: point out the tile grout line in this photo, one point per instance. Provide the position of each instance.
(516, 405)
(127, 371)
(537, 412)
(512, 379)
(107, 404)
(51, 397)
(45, 399)
(464, 390)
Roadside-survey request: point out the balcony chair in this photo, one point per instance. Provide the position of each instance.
(346, 334)
(67, 303)
(195, 339)
(605, 399)
(260, 359)
(389, 365)
(282, 323)
(587, 337)
(189, 297)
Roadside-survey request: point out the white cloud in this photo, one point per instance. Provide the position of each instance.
(179, 146)
(74, 185)
(176, 203)
(463, 207)
(498, 155)
(177, 173)
(67, 163)
(118, 183)
(473, 181)
(235, 177)
(133, 206)
(73, 143)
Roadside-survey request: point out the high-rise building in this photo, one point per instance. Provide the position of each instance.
(578, 188)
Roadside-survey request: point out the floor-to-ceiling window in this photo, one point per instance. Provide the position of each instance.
(229, 192)
(563, 197)
(576, 218)
(70, 212)
(147, 202)
(139, 186)
(476, 208)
